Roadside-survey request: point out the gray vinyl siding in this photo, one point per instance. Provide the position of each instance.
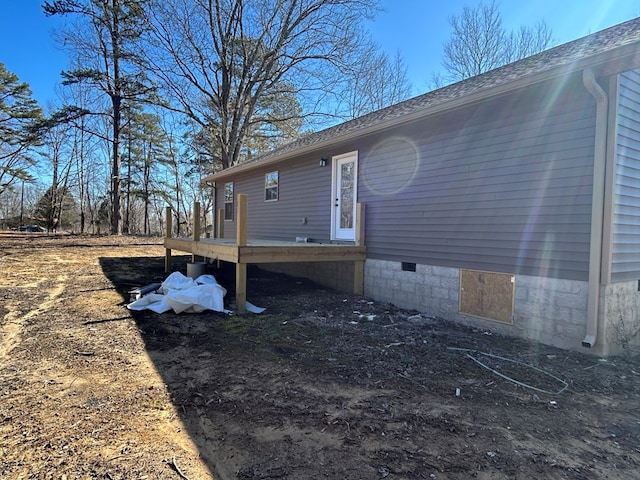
(504, 185)
(626, 216)
(304, 191)
(501, 186)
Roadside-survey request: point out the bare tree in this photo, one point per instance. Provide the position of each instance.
(88, 134)
(528, 41)
(83, 154)
(55, 150)
(479, 42)
(222, 60)
(375, 80)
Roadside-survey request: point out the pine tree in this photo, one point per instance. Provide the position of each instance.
(57, 209)
(19, 113)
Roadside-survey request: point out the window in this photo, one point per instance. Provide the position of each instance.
(228, 201)
(271, 187)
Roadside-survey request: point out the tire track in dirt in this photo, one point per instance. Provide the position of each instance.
(11, 329)
(63, 414)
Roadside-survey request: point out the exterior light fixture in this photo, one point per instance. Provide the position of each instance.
(323, 162)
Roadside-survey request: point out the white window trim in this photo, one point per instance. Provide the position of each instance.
(334, 187)
(277, 186)
(232, 202)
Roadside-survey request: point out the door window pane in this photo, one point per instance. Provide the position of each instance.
(346, 195)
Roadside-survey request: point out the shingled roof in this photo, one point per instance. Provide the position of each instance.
(613, 45)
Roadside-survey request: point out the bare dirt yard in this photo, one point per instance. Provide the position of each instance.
(321, 385)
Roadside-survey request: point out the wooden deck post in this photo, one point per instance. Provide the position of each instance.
(241, 224)
(360, 211)
(219, 229)
(358, 265)
(241, 241)
(167, 234)
(220, 224)
(196, 229)
(196, 221)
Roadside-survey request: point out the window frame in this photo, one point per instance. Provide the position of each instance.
(272, 187)
(228, 201)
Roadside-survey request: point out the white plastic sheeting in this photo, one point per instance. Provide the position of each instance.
(183, 294)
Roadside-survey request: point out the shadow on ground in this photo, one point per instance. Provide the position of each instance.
(217, 366)
(329, 385)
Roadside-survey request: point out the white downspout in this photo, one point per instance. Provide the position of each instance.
(597, 205)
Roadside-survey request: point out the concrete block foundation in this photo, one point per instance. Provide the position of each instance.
(621, 309)
(548, 310)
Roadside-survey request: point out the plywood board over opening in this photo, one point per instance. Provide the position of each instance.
(487, 295)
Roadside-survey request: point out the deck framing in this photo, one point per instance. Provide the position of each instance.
(242, 251)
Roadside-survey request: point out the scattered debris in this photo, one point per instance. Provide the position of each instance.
(173, 464)
(250, 307)
(85, 354)
(139, 292)
(564, 384)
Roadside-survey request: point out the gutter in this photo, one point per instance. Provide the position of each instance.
(597, 205)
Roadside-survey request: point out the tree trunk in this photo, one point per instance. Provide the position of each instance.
(147, 180)
(127, 214)
(116, 225)
(116, 99)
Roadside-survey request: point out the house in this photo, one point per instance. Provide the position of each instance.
(509, 201)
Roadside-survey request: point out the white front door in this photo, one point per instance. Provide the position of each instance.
(345, 196)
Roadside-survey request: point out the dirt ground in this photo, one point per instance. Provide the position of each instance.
(321, 385)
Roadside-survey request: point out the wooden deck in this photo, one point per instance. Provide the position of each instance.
(266, 251)
(243, 251)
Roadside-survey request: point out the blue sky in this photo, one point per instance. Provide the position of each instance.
(419, 28)
(416, 28)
